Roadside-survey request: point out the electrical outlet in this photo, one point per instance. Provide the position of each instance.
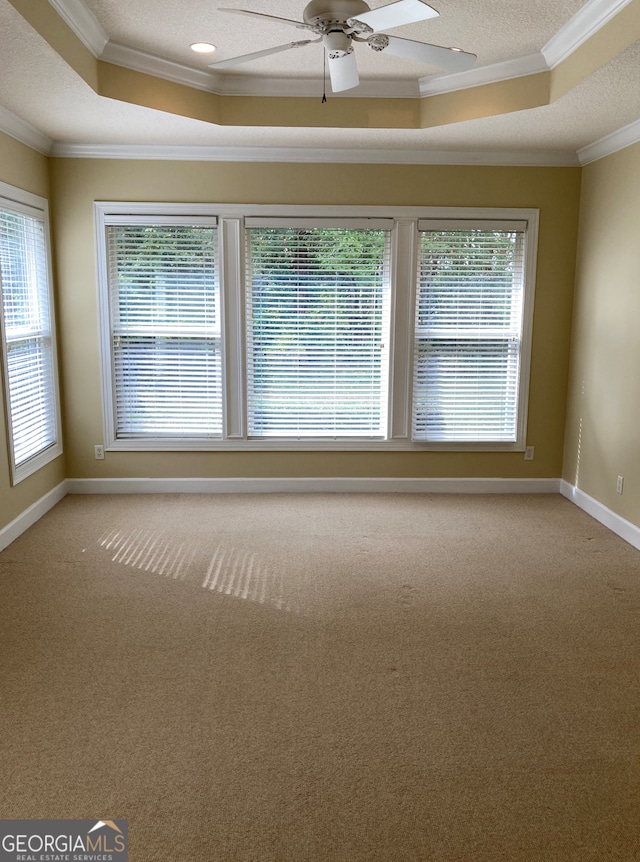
(98, 452)
(528, 453)
(619, 484)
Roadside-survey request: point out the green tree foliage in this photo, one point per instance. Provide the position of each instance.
(315, 326)
(468, 271)
(164, 272)
(329, 277)
(470, 285)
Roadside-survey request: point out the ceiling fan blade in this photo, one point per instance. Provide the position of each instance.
(299, 24)
(343, 72)
(246, 58)
(396, 14)
(451, 59)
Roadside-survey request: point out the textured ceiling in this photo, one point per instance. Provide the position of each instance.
(493, 31)
(38, 87)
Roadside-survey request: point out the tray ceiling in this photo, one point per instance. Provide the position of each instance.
(41, 90)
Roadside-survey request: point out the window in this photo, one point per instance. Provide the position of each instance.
(164, 313)
(263, 327)
(28, 343)
(469, 328)
(317, 331)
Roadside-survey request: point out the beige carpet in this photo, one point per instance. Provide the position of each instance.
(326, 677)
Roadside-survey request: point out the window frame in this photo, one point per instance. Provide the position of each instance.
(113, 325)
(231, 262)
(378, 225)
(530, 244)
(21, 202)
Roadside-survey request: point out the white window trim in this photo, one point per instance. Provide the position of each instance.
(522, 219)
(231, 221)
(167, 216)
(29, 204)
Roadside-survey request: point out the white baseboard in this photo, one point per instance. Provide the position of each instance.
(621, 527)
(618, 525)
(310, 485)
(29, 517)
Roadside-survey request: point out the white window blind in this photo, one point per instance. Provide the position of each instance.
(29, 366)
(165, 330)
(317, 330)
(468, 332)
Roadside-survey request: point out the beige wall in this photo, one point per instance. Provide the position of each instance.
(77, 183)
(601, 438)
(27, 169)
(603, 416)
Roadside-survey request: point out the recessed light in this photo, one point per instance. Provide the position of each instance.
(457, 49)
(203, 47)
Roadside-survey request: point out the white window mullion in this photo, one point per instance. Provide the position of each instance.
(233, 311)
(403, 264)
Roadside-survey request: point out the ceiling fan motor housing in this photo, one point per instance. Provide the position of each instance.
(323, 13)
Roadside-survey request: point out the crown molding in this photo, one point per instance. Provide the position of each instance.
(24, 132)
(613, 143)
(506, 70)
(159, 67)
(83, 23)
(318, 155)
(579, 29)
(245, 85)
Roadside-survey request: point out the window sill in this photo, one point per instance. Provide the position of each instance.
(399, 444)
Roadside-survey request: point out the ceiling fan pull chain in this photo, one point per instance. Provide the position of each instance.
(324, 77)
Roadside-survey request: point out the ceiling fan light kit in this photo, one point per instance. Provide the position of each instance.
(337, 44)
(340, 23)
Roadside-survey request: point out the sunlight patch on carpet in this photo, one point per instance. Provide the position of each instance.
(229, 571)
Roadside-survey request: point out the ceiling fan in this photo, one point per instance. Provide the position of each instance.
(340, 23)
